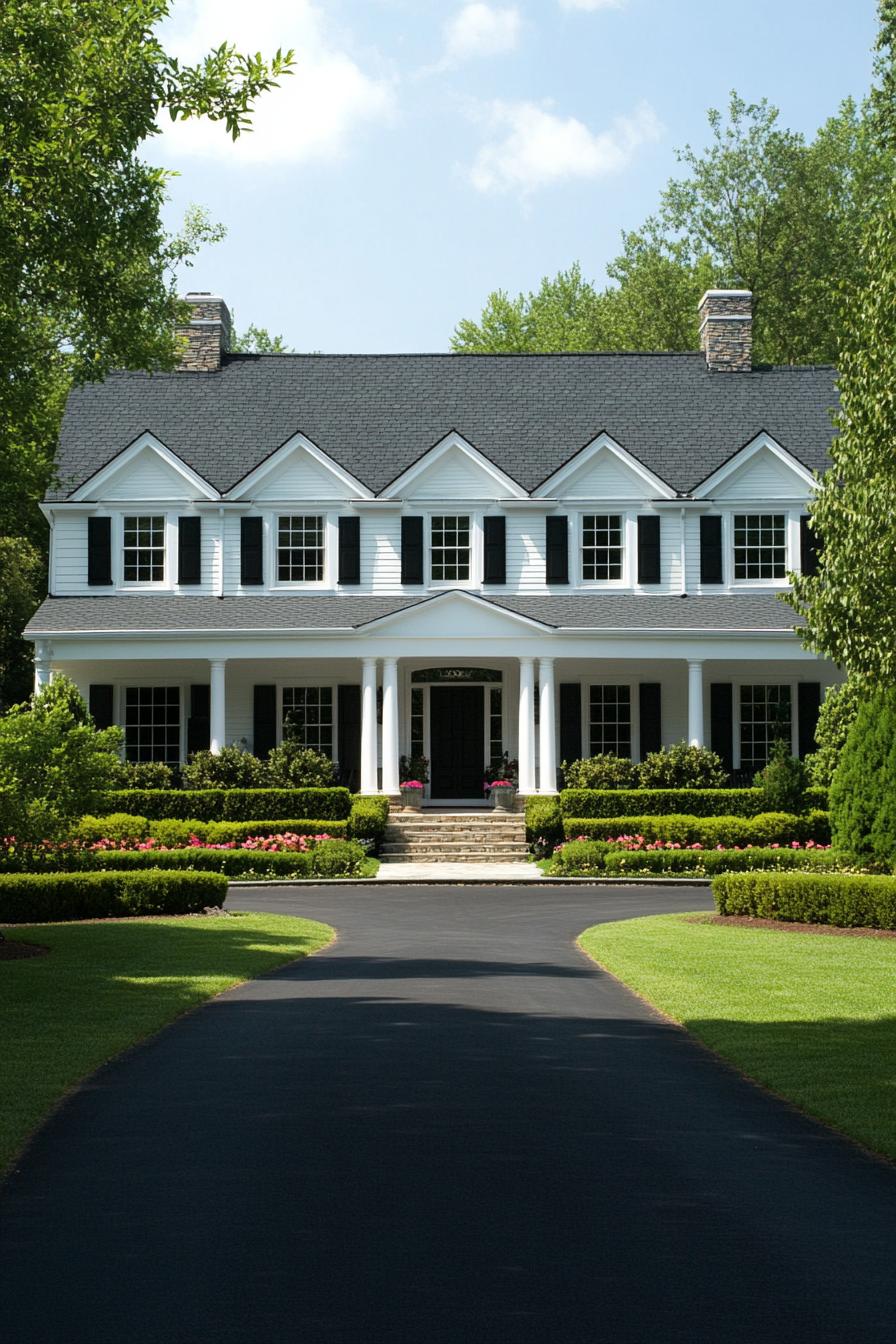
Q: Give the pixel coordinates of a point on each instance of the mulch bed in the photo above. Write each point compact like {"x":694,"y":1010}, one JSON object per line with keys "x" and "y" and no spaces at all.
{"x":13,"y":950}
{"x":786,"y":926}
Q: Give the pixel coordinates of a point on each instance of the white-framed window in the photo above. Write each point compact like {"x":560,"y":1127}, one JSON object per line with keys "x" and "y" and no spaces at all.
{"x":301,"y":548}
{"x":759,"y":542}
{"x":143,"y":548}
{"x":603,"y":550}
{"x":308,"y":714}
{"x":152,"y":723}
{"x":765,"y":713}
{"x":450,"y":548}
{"x":610,"y":720}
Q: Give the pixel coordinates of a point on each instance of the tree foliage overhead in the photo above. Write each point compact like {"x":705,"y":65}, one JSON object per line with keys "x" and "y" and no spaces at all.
{"x":259,"y":341}
{"x":850,"y":605}
{"x":761,"y":209}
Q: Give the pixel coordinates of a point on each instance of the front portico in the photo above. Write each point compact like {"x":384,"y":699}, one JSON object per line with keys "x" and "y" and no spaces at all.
{"x":456,"y":678}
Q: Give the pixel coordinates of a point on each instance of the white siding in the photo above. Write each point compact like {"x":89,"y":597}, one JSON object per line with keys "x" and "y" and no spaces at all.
{"x":147,"y":476}
{"x":69,"y":556}
{"x":605,"y":476}
{"x":302,"y":477}
{"x":765,"y":476}
{"x":453,"y":476}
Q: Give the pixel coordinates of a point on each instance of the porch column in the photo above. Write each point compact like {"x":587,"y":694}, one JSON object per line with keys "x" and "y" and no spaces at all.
{"x":368,"y":726}
{"x":695,"y":703}
{"x":41,"y":666}
{"x":526,"y":743}
{"x":547,"y":728}
{"x":217,"y":721}
{"x":390,"y":725}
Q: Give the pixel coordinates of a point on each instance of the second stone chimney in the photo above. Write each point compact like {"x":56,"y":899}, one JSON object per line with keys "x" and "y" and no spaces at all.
{"x":207,"y":334}
{"x":726,"y":330}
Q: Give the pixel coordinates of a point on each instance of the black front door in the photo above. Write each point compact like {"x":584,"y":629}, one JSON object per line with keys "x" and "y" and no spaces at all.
{"x":456,"y":735}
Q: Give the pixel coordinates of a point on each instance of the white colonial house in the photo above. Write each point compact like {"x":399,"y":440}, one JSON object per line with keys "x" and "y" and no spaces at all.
{"x":439,"y":555}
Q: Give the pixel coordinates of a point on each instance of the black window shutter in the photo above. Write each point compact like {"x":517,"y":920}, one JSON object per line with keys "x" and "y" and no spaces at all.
{"x":99,"y":552}
{"x":349,"y":549}
{"x":264,"y":720}
{"x":348,"y":735}
{"x":650,"y":704}
{"x":810,"y":547}
{"x":189,"y":549}
{"x":251,"y":550}
{"x":711,"y":549}
{"x":199,"y":720}
{"x":556,"y":550}
{"x":100,"y":699}
{"x":495,"y":543}
{"x":808,"y":705}
{"x":721,"y":721}
{"x":649,"y":548}
{"x":412,"y":550}
{"x":570,"y":721}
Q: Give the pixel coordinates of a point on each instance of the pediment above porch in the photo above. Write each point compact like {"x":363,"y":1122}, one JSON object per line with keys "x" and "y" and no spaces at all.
{"x":456,"y":614}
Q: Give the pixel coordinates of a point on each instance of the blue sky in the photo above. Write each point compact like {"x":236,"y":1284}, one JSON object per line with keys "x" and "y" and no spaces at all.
{"x":426,"y":152}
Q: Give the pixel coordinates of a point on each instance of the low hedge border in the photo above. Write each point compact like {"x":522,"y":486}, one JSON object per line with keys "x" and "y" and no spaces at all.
{"x":668,"y":802}
{"x":848,"y":900}
{"x":174,"y":832}
{"x":766,"y":828}
{"x":368,"y":819}
{"x":589,"y":858}
{"x":332,"y":858}
{"x":44,"y":898}
{"x":333,"y":804}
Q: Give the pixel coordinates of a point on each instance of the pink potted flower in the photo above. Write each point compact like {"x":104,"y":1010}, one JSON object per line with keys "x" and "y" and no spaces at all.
{"x":503,"y":793}
{"x":411,"y":793}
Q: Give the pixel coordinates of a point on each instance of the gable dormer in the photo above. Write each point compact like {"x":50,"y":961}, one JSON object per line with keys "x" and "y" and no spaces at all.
{"x":762,"y":469}
{"x":145,"y":470}
{"x":453,"y":469}
{"x":298,"y":470}
{"x":603,"y":470}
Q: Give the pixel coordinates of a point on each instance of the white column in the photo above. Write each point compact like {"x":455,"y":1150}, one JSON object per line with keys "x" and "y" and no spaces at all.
{"x":695,"y":703}
{"x":390,"y":725}
{"x":217,"y":713}
{"x":526,"y":735}
{"x":368,"y":726}
{"x":547,"y":728}
{"x":41,"y":666}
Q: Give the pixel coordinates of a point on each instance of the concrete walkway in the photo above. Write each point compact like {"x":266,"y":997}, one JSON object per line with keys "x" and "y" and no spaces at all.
{"x":449,"y":1128}
{"x":390,"y":871}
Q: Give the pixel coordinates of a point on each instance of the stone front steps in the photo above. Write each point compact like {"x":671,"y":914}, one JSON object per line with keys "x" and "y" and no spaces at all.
{"x":455,"y":837}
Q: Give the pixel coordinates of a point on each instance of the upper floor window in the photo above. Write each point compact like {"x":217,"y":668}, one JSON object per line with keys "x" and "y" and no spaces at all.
{"x":760,"y":546}
{"x":308,"y":716}
{"x":450,"y":548}
{"x":300,"y":548}
{"x":144,"y":549}
{"x":602,"y":546}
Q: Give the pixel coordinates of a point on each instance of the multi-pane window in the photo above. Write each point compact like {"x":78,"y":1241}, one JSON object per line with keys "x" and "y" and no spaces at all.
{"x":760,"y":546}
{"x":602,"y":546}
{"x":144,"y":549}
{"x":308,"y":716}
{"x":495,"y":726}
{"x":450,"y":548}
{"x":300,"y":548}
{"x":765,"y":714}
{"x":610,"y":720}
{"x":152,"y":723}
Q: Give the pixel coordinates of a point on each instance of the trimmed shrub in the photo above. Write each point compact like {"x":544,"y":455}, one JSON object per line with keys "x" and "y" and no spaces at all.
{"x":368,"y":820}
{"x":295,"y":766}
{"x":230,"y":862}
{"x":849,"y":900}
{"x":657,"y":802}
{"x":783,"y":780}
{"x":707,"y":862}
{"x":337,"y":858}
{"x":116,"y":826}
{"x":230,"y":768}
{"x":600,"y":772}
{"x":144,"y":775}
{"x":177,"y":833}
{"x":544,"y":823}
{"x":580,"y":858}
{"x":231,"y":804}
{"x":766,"y":828}
{"x":835,"y":718}
{"x":682,"y":767}
{"x":41,"y":898}
{"x":863,"y":794}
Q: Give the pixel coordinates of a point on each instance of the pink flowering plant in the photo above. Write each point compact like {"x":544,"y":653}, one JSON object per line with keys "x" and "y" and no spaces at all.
{"x":411,"y":784}
{"x":287,"y":843}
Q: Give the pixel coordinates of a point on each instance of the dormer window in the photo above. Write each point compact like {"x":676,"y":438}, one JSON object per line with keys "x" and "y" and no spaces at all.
{"x":300,"y":548}
{"x":450,"y":540}
{"x":601,"y":546}
{"x":760,"y":546}
{"x":144,"y":549}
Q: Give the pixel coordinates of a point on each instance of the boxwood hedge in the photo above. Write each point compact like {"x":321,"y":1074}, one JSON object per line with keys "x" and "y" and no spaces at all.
{"x":766,"y":828}
{"x":657,"y":802}
{"x":585,"y":858}
{"x":334,"y":804}
{"x":849,"y":900}
{"x":41,"y":898}
{"x":332,"y":858}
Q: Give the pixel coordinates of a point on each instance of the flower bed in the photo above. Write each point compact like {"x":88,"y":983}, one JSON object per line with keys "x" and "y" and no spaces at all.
{"x":632,"y":855}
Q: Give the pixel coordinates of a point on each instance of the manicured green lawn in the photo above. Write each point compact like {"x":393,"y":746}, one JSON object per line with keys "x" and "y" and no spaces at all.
{"x":813,"y":1017}
{"x":104,"y":986}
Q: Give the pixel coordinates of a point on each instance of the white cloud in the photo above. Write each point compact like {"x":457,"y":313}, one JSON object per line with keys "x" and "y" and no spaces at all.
{"x":592,"y":4}
{"x":533,"y":147}
{"x":316,"y":110}
{"x":481,"y":30}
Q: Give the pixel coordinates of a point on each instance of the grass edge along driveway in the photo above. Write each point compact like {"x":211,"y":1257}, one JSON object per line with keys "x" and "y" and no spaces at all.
{"x":106,"y":985}
{"x":811,"y":1017}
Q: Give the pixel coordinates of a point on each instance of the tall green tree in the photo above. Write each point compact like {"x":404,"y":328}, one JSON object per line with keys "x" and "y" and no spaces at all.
{"x":259,"y":341}
{"x":850,"y":605}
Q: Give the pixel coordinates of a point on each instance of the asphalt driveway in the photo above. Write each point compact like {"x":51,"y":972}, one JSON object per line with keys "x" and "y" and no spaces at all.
{"x":450,"y":1127}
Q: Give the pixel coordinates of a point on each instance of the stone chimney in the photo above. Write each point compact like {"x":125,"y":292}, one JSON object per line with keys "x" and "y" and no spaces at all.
{"x":207,"y":334}
{"x":726,"y":330}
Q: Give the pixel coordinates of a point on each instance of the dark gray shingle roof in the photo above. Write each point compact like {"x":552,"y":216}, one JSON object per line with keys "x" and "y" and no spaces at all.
{"x":595,"y":611}
{"x":376,"y":414}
